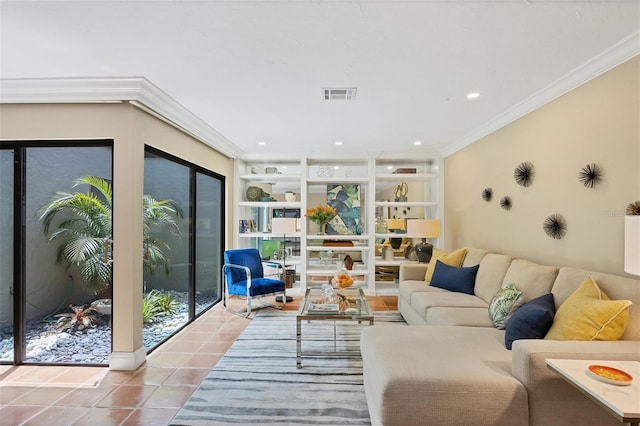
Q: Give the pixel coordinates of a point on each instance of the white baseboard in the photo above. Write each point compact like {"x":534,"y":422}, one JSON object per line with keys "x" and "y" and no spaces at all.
{"x":128,"y":361}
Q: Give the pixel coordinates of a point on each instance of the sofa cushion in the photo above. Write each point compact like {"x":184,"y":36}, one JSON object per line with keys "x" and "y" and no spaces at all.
{"x":616,"y":287}
{"x":407,"y":288}
{"x":454,"y":279}
{"x":474,"y":256}
{"x":422,"y":301}
{"x":503,"y":304}
{"x":531,"y":321}
{"x":436,"y":255}
{"x":442,"y":375}
{"x":589,"y":314}
{"x":451,"y":315}
{"x":493,"y":268}
{"x":532,"y":280}
{"x":452,"y":259}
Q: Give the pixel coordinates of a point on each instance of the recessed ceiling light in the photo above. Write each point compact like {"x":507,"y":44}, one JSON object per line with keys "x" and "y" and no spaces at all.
{"x":262,"y":143}
{"x":339,"y":143}
{"x":417,"y":143}
{"x":389,"y":167}
{"x":336,"y":167}
{"x":473,"y":95}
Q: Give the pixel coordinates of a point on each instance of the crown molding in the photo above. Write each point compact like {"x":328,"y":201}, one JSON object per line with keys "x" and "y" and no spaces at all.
{"x":137,"y":90}
{"x":617,"y":54}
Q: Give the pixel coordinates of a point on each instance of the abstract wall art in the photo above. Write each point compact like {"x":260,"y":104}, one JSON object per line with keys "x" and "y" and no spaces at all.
{"x":590,"y":175}
{"x":345,"y":198}
{"x":524,"y":174}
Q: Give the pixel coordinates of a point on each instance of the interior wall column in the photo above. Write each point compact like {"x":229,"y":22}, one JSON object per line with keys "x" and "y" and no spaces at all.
{"x":128,"y":185}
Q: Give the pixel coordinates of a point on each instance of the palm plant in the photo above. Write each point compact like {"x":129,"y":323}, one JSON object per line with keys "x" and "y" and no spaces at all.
{"x":86,"y":235}
{"x":157,"y":215}
{"x":85,"y":231}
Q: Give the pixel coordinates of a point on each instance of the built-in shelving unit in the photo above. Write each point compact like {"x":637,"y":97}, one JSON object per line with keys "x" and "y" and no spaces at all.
{"x":308,"y":179}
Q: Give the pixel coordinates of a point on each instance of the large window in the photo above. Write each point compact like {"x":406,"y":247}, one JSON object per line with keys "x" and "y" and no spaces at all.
{"x":182,"y":244}
{"x":6,"y":255}
{"x":38,"y":279}
{"x":209,"y":243}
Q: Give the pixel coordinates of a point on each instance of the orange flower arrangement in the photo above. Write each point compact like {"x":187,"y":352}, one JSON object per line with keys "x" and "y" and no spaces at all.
{"x":321,"y":214}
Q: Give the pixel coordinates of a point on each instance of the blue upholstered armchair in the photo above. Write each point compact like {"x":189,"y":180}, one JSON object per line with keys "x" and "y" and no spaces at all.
{"x":243,"y":276}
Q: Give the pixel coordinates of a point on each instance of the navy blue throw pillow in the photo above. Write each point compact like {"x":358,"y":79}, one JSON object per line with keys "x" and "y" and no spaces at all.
{"x":461,"y":280}
{"x":531,"y":321}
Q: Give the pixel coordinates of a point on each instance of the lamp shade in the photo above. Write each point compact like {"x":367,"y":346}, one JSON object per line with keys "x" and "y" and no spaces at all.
{"x":283,"y":225}
{"x":632,"y":244}
{"x":423,"y":228}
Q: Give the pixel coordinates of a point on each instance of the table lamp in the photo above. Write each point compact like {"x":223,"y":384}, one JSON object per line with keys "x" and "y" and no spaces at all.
{"x":284,"y":226}
{"x":632,"y":244}
{"x":423,"y":228}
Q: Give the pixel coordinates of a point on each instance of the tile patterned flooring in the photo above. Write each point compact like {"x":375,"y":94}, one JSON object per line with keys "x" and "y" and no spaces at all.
{"x":151,"y":395}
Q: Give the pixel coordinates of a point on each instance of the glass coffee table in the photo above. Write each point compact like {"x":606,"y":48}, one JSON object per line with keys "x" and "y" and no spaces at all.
{"x":348,"y":304}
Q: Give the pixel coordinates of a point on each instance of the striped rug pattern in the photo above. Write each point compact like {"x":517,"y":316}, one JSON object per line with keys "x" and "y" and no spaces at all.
{"x":257,"y":382}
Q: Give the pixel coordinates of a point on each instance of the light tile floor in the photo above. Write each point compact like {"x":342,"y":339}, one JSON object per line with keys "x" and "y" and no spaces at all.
{"x":151,"y":395}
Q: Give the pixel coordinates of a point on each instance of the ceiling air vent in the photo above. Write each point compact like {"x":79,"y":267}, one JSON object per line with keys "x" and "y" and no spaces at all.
{"x":339,"y":94}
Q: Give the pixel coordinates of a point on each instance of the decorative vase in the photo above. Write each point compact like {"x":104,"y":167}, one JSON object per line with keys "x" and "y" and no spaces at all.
{"x":387,"y":253}
{"x":381,"y":225}
{"x":348,"y":262}
{"x":254,"y":193}
{"x":395,"y":243}
{"x":322,"y":228}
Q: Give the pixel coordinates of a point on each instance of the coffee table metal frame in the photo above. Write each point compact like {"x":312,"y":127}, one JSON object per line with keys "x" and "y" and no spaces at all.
{"x":363,"y":314}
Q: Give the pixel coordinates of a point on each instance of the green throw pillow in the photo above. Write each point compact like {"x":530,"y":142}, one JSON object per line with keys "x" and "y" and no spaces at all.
{"x":504,"y":303}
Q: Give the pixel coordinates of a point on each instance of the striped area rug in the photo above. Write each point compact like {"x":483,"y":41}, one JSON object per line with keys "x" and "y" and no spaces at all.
{"x":257,"y":382}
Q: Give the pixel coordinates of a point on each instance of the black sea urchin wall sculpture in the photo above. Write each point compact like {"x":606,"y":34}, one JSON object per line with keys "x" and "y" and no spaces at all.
{"x":590,"y":175}
{"x":524,"y":174}
{"x":555,"y":226}
{"x":487,"y":194}
{"x":505,"y":203}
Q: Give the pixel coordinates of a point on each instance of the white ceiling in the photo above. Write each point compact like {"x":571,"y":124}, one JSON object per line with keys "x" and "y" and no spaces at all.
{"x":253,"y":70}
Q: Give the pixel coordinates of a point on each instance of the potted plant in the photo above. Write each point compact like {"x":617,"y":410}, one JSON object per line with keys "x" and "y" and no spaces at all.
{"x":84,"y":234}
{"x":321,"y":215}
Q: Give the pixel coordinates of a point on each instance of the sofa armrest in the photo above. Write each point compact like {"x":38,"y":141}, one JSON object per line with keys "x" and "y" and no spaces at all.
{"x":552,"y":400}
{"x":412,"y":271}
{"x":529,"y":355}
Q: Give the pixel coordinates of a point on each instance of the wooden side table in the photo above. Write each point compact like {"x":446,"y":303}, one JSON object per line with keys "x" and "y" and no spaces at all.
{"x":623,"y":402}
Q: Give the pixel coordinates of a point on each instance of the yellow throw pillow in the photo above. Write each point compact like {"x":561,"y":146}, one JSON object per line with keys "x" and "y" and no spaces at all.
{"x":589,"y":314}
{"x":452,"y":259}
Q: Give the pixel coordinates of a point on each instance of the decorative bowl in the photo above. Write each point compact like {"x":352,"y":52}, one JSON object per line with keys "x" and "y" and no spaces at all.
{"x":342,"y":280}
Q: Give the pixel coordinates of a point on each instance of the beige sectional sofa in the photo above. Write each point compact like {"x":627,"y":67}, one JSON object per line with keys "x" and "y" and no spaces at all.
{"x":451,"y":367}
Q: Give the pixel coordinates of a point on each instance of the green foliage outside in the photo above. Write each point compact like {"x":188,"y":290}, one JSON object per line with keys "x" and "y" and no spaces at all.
{"x":84,"y":231}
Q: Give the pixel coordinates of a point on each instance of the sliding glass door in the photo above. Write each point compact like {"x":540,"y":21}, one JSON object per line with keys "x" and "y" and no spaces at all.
{"x":6,"y":255}
{"x":183,"y":243}
{"x":166,"y":253}
{"x":39,"y":280}
{"x":208,"y":244}
{"x":56,"y":249}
